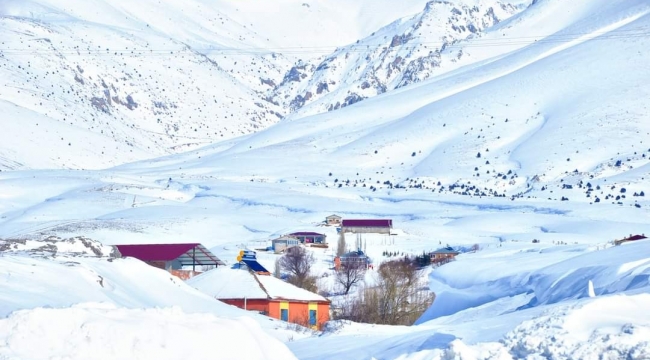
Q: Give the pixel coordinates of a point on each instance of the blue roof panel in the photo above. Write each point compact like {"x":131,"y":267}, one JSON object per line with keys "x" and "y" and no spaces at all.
{"x":254,"y":265}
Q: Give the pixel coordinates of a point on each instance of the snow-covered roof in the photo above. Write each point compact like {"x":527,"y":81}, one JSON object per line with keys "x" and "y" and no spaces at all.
{"x":226,"y":283}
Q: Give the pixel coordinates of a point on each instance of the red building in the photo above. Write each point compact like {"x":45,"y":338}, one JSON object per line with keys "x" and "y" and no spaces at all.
{"x":265,"y":294}
{"x":181,"y":260}
{"x":356,"y":226}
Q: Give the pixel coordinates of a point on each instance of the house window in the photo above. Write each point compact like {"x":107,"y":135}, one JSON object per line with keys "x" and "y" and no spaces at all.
{"x":312,"y":317}
{"x":284,"y":314}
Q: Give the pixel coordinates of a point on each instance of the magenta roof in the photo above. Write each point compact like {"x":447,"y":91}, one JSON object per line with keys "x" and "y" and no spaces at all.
{"x":306,"y":233}
{"x":368,"y":223}
{"x":185,"y":253}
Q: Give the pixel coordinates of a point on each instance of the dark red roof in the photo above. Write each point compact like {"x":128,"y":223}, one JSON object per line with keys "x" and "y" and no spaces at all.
{"x":306,"y":233}
{"x":186,"y":253}
{"x":367,"y":223}
{"x":636,"y":237}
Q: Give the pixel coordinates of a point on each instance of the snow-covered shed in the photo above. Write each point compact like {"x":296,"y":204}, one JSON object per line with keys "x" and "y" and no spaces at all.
{"x":265,"y":294}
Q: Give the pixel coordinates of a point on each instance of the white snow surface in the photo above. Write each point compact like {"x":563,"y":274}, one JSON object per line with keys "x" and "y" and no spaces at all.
{"x":226,"y":283}
{"x":100,"y":331}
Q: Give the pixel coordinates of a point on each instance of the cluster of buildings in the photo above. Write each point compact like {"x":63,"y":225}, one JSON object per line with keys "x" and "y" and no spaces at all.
{"x":355,"y":226}
{"x":247,"y":284}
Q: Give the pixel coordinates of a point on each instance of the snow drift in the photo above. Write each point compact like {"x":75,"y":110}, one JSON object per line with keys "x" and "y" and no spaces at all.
{"x":100,"y":331}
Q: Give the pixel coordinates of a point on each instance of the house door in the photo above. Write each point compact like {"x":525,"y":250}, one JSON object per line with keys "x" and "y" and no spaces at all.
{"x":284,"y":314}
{"x":312,"y":317}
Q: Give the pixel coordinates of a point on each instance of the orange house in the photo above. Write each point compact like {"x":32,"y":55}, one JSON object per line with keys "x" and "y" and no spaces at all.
{"x":265,"y":294}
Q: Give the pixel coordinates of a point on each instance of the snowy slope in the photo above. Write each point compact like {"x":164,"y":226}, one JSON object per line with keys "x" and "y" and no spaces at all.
{"x":100,"y":331}
{"x":73,"y":290}
{"x":532,"y":314}
{"x":118,"y":82}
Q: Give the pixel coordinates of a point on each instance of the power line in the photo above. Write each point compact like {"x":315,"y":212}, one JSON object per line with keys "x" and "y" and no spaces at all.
{"x":352,"y":48}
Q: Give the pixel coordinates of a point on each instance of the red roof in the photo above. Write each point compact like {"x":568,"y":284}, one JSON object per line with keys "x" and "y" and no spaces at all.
{"x":368,"y":223}
{"x":636,"y":237}
{"x":306,"y":233}
{"x":186,"y":253}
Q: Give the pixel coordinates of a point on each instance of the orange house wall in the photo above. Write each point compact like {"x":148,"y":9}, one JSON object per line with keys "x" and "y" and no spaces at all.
{"x":298,"y":311}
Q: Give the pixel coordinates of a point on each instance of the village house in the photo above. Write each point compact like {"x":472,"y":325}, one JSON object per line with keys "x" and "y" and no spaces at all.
{"x":282,"y":243}
{"x":265,"y":294}
{"x":307,"y":237}
{"x":333,"y":220}
{"x":630,"y":238}
{"x":443,"y":256}
{"x":367,"y":226}
{"x":353,"y":258}
{"x":175,"y":258}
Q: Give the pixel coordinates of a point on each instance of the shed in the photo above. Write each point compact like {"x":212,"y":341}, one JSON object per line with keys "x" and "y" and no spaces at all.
{"x":172,"y":257}
{"x":360,"y":226}
{"x":283,"y":243}
{"x":265,"y":294}
{"x":333,"y":220}
{"x":630,"y":238}
{"x":308,"y":237}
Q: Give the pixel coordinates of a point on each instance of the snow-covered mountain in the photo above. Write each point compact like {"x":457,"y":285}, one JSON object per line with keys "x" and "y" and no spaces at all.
{"x":407,"y":51}
{"x":144,"y":80}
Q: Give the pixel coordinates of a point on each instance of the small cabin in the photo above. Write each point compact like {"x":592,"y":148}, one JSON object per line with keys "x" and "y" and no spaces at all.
{"x":353,"y":258}
{"x":333,"y":220}
{"x":283,"y":243}
{"x":266,"y":295}
{"x":443,"y":256}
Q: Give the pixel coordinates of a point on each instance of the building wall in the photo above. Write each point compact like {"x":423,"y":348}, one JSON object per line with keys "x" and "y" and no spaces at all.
{"x":184,"y":274}
{"x":299,"y":312}
{"x":366,"y":230}
{"x":311,"y":238}
{"x":159,"y":264}
{"x":261,"y":305}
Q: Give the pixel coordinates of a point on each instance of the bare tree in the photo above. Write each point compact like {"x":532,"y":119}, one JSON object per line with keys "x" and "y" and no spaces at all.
{"x":400,"y":297}
{"x":341,"y":246}
{"x":297,"y":263}
{"x":352,"y":271}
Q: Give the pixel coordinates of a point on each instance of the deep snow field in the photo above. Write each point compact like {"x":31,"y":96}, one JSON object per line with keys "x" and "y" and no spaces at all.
{"x":539,"y":131}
